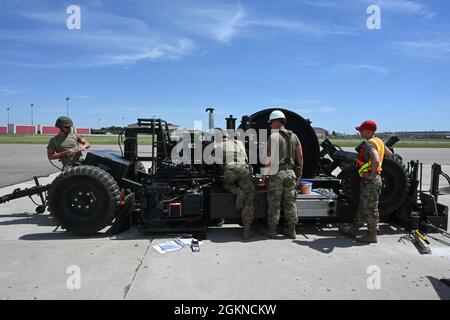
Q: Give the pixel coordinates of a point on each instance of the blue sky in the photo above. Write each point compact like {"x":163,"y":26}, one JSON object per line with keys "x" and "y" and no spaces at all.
{"x":172,"y":59}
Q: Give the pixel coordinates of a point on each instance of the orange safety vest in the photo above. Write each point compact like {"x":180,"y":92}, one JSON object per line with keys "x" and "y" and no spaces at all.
{"x":366,"y":166}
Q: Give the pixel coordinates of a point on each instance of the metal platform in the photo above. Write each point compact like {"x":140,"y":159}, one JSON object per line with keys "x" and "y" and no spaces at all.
{"x":317,"y":204}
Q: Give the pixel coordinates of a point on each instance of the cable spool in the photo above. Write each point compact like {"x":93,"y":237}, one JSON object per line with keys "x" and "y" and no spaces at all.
{"x":297,"y":124}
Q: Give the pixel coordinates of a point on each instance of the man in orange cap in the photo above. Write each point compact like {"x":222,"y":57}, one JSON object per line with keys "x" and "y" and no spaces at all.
{"x":371,"y":153}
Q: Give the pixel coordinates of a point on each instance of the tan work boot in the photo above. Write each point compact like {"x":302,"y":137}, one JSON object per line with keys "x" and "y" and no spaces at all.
{"x":289,"y":231}
{"x":247,"y":231}
{"x":270,"y":231}
{"x":370,"y":237}
{"x":350,"y":231}
{"x":240,"y":197}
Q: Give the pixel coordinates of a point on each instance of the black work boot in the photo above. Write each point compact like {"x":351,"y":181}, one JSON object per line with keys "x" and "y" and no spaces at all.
{"x":270,"y":231}
{"x":370,"y":237}
{"x":350,"y":231}
{"x":247,"y":232}
{"x":289,"y":231}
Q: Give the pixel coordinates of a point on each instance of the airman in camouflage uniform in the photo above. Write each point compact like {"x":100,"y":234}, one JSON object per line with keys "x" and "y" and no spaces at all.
{"x":66,"y":146}
{"x":371,"y":153}
{"x":284,"y":167}
{"x":237,"y":178}
{"x":370,"y":191}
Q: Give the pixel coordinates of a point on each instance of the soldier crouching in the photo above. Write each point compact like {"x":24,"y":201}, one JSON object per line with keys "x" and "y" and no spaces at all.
{"x":237,"y":178}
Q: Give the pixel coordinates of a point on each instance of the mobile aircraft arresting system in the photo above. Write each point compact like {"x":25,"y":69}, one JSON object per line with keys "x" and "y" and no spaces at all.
{"x":113,"y":190}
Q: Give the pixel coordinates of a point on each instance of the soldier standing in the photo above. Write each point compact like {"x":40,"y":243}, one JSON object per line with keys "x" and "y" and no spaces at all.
{"x":237,"y":178}
{"x":371,"y":153}
{"x":66,"y":145}
{"x":285,"y":165}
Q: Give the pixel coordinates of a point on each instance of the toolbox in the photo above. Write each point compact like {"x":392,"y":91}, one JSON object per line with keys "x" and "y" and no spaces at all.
{"x":319,"y":203}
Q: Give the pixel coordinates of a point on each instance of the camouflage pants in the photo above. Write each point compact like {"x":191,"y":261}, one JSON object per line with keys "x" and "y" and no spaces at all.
{"x":368,"y":202}
{"x":281,"y":191}
{"x":237,"y":179}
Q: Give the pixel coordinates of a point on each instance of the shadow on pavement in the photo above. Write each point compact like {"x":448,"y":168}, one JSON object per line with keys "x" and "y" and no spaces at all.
{"x":234,"y":234}
{"x":327,"y":245}
{"x":330,"y":236}
{"x":134,"y":233}
{"x":441,"y":288}
{"x":384,"y":229}
{"x":444,"y":241}
{"x":59,"y":235}
{"x":27,"y":218}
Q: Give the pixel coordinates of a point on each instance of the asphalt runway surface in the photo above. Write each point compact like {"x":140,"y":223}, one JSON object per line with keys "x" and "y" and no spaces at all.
{"x":20,"y":162}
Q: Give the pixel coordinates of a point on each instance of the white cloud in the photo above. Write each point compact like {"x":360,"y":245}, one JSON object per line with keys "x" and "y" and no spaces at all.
{"x":397,"y":6}
{"x":226,"y":30}
{"x":316,"y":110}
{"x":111,"y":39}
{"x":105,"y":39}
{"x":434,"y":49}
{"x":315,"y":102}
{"x":362,"y":67}
{"x":7,"y":91}
{"x":226,"y":22}
{"x":300,"y":27}
{"x":98,"y":111}
{"x":321,"y":3}
{"x":152,"y":50}
{"x":404,"y":6}
{"x":49,"y":65}
{"x":80,"y":97}
{"x":48,"y":17}
{"x":326,"y":109}
{"x":221,"y":23}
{"x":96,"y":3}
{"x":98,"y":51}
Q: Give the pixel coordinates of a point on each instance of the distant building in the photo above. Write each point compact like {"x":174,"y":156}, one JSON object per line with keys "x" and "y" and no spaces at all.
{"x":170,"y":126}
{"x":321,"y":133}
{"x":418,"y":134}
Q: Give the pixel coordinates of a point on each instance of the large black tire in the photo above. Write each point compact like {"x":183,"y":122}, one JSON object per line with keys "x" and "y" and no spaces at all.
{"x":393,"y":192}
{"x":301,"y":127}
{"x":84,"y":199}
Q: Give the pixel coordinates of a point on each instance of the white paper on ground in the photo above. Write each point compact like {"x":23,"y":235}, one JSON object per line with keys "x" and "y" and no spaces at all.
{"x":174,"y":245}
{"x":168,"y":246}
{"x":185,"y":242}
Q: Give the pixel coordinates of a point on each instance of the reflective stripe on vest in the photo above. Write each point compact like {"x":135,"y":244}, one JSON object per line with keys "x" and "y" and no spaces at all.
{"x":367,"y":166}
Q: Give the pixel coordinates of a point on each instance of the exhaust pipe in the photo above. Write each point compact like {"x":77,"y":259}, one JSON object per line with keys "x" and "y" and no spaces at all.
{"x":231,"y":122}
{"x":211,"y":117}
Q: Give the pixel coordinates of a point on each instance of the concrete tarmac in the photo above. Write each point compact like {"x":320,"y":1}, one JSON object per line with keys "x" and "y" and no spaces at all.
{"x":40,"y":261}
{"x":20,"y":162}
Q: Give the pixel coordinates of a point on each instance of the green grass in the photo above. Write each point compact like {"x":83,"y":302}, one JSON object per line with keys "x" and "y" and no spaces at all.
{"x":38,"y":139}
{"x":400,"y":144}
{"x":112,"y":140}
